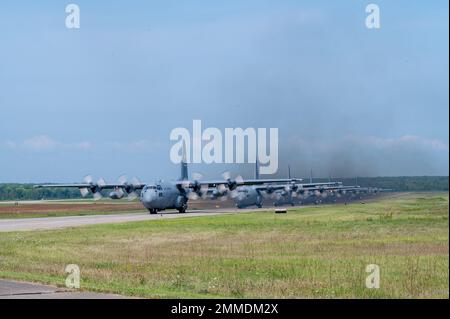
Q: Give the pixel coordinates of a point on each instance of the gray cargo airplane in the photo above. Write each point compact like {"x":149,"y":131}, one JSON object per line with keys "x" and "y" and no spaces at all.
{"x":169,"y":195}
{"x":175,"y":194}
{"x":283,"y":192}
{"x":289,"y":195}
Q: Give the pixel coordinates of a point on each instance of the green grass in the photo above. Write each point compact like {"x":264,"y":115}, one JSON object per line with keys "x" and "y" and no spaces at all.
{"x":312,"y":252}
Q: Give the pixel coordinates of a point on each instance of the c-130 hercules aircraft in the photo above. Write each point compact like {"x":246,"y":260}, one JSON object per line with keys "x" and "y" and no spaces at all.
{"x":162,"y":195}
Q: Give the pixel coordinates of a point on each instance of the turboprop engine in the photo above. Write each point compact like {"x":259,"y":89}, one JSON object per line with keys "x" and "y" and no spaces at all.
{"x":118,"y":193}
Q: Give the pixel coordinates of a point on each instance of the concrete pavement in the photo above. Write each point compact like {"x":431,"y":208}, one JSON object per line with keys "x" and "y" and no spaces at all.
{"x":43,"y":223}
{"x":10,"y":289}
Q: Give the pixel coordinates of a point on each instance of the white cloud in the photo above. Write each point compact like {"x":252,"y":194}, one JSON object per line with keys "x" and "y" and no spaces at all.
{"x":83,"y":145}
{"x":39,"y":143}
{"x":135,"y":146}
{"x":44,"y":143}
{"x":8,"y":144}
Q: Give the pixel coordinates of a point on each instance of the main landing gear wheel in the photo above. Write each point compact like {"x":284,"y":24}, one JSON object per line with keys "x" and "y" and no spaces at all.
{"x":153,"y":211}
{"x":182,"y":209}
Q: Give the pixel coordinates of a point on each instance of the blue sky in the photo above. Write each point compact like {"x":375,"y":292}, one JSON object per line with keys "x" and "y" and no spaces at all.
{"x":103,"y":99}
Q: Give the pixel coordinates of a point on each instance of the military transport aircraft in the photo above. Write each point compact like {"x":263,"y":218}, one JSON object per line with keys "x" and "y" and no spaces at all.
{"x":167,"y":195}
{"x":283,"y":193}
{"x":175,"y":194}
{"x":288,"y":196}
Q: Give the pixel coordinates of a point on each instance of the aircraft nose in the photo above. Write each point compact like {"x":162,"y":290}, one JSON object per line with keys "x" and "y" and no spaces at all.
{"x":148,"y":197}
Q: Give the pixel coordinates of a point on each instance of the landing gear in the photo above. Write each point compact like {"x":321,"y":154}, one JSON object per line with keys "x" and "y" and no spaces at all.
{"x":153,"y":211}
{"x":182,"y":209}
{"x":259,"y":205}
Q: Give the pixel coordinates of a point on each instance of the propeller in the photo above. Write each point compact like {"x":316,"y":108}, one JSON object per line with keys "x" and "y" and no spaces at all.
{"x":185,"y":185}
{"x":95,"y":188}
{"x":84,"y":192}
{"x":276,"y":196}
{"x":220,"y":192}
{"x":97,"y":196}
{"x":192,"y":195}
{"x":222,"y":189}
{"x":268,"y":193}
{"x":122,"y":179}
{"x":101,"y":182}
{"x":88,"y":179}
{"x":129,"y":187}
{"x":135,"y":182}
{"x":231,"y":185}
{"x":199,"y":190}
{"x":297,"y":190}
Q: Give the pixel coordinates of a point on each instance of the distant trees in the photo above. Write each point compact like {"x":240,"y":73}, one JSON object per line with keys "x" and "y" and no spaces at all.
{"x":400,"y":183}
{"x":27,"y":192}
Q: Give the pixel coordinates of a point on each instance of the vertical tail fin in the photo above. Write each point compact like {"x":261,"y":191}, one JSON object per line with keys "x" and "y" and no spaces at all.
{"x":256,"y":169}
{"x":310,"y":176}
{"x":184,"y":167}
{"x":289,"y":171}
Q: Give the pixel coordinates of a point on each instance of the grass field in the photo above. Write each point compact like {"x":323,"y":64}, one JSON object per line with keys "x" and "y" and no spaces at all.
{"x":311,"y":252}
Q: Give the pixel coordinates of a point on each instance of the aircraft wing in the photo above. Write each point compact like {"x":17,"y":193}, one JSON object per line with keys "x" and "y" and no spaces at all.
{"x":96,"y":188}
{"x":87,"y":185}
{"x":248,"y":182}
{"x":299,"y":187}
{"x":327,"y":184}
{"x":62,"y":186}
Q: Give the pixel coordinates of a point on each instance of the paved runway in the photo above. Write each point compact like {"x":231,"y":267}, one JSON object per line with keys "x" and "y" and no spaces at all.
{"x":22,"y":290}
{"x":27,"y":224}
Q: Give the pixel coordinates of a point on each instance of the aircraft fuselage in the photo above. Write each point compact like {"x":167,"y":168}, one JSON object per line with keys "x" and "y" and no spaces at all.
{"x":248,"y":196}
{"x":163,"y":195}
